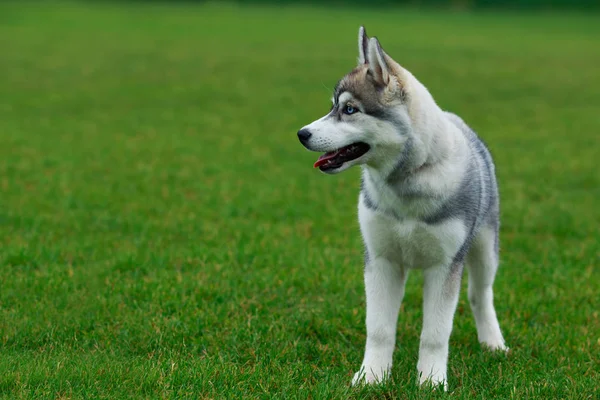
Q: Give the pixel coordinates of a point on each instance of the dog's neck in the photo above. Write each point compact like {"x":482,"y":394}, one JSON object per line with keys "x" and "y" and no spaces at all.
{"x":429,"y":146}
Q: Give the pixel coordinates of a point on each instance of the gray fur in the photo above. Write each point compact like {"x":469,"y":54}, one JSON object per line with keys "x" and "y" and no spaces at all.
{"x":365,"y":195}
{"x":361,"y":83}
{"x":370,"y":204}
{"x":397,"y":179}
{"x":479,"y":204}
{"x":482,"y":208}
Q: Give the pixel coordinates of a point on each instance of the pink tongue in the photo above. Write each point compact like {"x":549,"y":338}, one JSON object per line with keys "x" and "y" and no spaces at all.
{"x":325,"y":158}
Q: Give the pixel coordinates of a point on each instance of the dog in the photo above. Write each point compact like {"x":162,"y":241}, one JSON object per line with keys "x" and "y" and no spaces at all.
{"x":428,"y":200}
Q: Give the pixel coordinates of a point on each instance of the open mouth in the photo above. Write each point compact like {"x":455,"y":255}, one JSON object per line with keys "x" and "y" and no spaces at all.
{"x":335,"y":159}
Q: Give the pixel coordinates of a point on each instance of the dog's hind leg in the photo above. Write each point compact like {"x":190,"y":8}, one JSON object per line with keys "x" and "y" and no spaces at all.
{"x":482,"y":263}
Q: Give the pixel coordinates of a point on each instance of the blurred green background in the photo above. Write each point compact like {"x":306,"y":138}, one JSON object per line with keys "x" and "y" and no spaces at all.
{"x":163,"y":233}
{"x":453,"y":4}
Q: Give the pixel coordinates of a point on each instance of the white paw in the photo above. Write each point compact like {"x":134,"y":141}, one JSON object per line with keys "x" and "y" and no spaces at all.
{"x":433,"y":380}
{"x":495,"y":345}
{"x":369,"y":375}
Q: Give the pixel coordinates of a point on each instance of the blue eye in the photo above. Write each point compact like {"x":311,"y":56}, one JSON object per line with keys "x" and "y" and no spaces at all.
{"x":349,"y":109}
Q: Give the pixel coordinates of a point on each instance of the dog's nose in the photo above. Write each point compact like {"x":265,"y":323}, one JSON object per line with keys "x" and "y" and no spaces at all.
{"x":304,"y":134}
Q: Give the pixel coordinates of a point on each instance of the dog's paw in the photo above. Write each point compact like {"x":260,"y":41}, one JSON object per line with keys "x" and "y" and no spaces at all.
{"x":433,"y":381}
{"x":491,"y":338}
{"x":495,"y":345}
{"x":369,"y":376}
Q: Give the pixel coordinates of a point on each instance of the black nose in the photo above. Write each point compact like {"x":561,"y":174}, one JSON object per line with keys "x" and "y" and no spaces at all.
{"x":304,"y":135}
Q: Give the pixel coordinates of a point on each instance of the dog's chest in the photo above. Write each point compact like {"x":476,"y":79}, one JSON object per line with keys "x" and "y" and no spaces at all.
{"x":407,"y":240}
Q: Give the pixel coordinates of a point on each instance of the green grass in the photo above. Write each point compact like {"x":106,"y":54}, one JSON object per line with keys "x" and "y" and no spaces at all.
{"x":163,"y":234}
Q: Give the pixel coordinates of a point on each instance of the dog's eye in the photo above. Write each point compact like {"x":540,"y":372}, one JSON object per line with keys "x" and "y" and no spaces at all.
{"x":349,"y":109}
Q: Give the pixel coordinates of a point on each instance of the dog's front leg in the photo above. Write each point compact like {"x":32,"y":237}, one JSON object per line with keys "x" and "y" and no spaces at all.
{"x":384,"y":285}
{"x":440,"y":296}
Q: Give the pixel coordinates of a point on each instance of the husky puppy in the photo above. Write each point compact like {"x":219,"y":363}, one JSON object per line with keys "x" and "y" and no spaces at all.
{"x":428,"y":201}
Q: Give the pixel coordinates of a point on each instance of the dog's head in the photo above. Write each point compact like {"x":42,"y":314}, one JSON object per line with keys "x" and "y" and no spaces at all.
{"x":371,"y":116}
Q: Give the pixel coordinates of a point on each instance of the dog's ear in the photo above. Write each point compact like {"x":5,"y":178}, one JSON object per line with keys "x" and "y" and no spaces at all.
{"x":363,"y":46}
{"x":378,"y":64}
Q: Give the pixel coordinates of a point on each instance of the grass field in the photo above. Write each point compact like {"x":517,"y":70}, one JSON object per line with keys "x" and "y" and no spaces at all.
{"x":163,"y":233}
